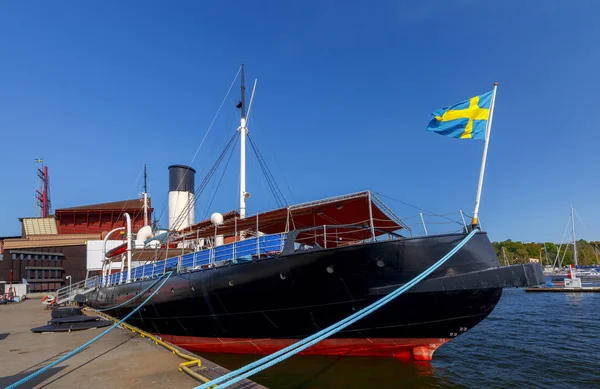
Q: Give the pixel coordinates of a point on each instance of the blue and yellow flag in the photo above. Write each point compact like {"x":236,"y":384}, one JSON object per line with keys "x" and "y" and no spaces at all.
{"x":464,"y":120}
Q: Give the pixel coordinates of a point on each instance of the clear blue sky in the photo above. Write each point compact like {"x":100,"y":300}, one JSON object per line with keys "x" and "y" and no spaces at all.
{"x":345,"y":93}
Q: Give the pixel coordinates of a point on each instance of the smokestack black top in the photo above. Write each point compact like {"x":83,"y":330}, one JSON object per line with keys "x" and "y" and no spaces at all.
{"x":181,"y":178}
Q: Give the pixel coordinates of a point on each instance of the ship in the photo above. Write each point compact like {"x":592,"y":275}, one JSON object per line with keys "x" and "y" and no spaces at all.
{"x":255,"y":284}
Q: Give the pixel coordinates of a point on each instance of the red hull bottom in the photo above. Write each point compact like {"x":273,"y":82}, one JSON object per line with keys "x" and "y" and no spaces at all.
{"x":409,"y":349}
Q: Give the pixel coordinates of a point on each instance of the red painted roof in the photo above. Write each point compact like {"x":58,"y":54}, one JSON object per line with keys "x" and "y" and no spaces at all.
{"x":112,"y":206}
{"x":354,"y":209}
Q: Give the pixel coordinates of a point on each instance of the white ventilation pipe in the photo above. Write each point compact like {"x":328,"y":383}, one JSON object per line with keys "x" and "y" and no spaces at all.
{"x":128,"y":219}
{"x":104,"y":259}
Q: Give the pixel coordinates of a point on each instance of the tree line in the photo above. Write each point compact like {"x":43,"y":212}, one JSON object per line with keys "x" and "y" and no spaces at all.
{"x":510,"y":252}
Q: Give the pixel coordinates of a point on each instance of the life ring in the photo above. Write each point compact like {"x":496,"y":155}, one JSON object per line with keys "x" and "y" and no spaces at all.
{"x":48,"y":300}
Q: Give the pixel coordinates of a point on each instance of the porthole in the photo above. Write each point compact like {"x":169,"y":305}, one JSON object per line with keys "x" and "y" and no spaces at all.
{"x":380,"y":263}
{"x":329,"y":269}
{"x":283,"y":276}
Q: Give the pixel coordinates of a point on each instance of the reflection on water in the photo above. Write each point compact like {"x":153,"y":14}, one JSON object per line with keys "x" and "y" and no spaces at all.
{"x":531,"y":340}
{"x":312,"y":371}
{"x":574,"y":298}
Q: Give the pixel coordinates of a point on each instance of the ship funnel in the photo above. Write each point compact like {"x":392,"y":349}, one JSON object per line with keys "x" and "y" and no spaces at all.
{"x":181,"y":196}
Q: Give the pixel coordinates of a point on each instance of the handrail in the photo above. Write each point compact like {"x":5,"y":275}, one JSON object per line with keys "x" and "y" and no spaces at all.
{"x":66,"y":293}
{"x":356,"y":226}
{"x":205,"y":258}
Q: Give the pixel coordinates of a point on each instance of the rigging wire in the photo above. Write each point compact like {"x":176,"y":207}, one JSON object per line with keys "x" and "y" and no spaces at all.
{"x":276,"y":163}
{"x":581,"y":220}
{"x":218,"y":184}
{"x":561,"y":244}
{"x":265,"y":191}
{"x":419,"y":208}
{"x":200,"y":189}
{"x":275,"y":190}
{"x":180,"y":218}
{"x":207,"y":131}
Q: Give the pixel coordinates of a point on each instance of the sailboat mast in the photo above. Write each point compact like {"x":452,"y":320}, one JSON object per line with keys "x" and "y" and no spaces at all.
{"x":243,"y":132}
{"x":574,"y":239}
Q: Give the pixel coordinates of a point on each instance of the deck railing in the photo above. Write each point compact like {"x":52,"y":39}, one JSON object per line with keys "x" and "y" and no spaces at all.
{"x":329,"y":236}
{"x":424,"y":223}
{"x":248,"y":249}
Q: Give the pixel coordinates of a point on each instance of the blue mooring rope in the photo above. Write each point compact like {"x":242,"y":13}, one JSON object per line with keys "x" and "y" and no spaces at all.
{"x":270,"y":360}
{"x":80,"y":348}
{"x":134,"y":297}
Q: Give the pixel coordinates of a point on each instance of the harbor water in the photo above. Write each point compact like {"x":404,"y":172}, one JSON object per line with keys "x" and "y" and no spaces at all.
{"x":531,"y":340}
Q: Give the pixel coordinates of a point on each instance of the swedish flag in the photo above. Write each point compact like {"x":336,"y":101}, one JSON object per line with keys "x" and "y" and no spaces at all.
{"x":39,"y":160}
{"x":464,"y":120}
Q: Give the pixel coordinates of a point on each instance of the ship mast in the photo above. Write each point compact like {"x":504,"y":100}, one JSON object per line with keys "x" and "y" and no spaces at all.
{"x":574,"y":240}
{"x":145,"y":196}
{"x":243,"y":132}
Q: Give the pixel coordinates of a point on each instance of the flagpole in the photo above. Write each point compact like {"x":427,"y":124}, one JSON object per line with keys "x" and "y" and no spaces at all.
{"x":488,"y":130}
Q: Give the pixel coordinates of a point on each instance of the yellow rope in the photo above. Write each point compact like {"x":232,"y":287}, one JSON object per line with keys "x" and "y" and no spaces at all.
{"x":183,"y":366}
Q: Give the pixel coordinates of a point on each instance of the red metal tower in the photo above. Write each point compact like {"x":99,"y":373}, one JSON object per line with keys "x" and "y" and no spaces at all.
{"x":43,"y":195}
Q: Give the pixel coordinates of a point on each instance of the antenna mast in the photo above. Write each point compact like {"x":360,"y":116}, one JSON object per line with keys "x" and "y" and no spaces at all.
{"x":243,"y":132}
{"x":43,"y":196}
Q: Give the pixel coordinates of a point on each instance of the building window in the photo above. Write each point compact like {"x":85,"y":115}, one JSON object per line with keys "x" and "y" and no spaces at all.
{"x":14,"y":256}
{"x":21,"y":256}
{"x":28,"y":257}
{"x":43,"y":257}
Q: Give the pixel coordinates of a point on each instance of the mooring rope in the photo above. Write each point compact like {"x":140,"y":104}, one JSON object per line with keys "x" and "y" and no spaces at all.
{"x":270,"y":360}
{"x":82,"y":347}
{"x":134,"y":297}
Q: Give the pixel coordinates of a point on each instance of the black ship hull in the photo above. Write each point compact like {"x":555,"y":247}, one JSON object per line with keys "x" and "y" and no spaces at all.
{"x":264,"y":305}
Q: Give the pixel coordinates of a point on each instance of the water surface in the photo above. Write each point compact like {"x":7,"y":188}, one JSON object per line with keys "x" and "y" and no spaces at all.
{"x":531,"y":340}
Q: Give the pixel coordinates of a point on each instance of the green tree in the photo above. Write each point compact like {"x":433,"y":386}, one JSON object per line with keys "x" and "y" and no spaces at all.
{"x":588,"y":253}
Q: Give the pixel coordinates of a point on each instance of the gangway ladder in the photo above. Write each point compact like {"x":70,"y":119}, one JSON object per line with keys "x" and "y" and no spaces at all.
{"x":68,"y":293}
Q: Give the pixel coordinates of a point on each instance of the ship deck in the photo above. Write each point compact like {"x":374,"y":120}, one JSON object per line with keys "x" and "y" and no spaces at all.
{"x":119,"y":359}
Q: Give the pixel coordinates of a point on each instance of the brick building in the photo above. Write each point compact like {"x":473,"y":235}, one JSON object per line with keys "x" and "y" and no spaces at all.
{"x":52,"y":248}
